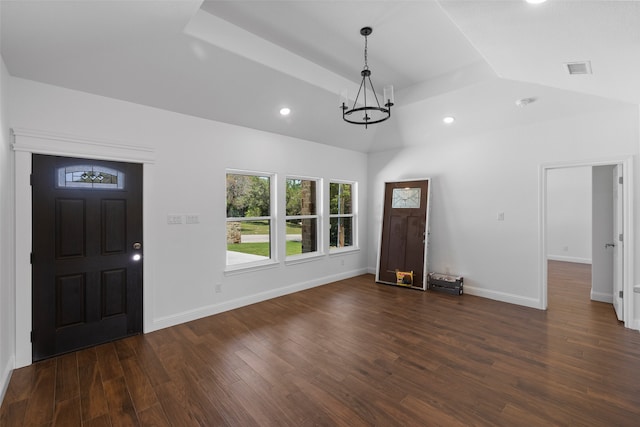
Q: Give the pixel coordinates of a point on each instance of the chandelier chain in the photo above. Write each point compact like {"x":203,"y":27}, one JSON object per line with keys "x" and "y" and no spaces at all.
{"x":366,"y":64}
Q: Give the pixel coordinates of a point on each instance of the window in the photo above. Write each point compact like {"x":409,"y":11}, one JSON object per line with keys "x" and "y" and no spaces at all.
{"x":249,"y":218}
{"x":341,"y":215}
{"x":88,"y":176}
{"x":302,"y":216}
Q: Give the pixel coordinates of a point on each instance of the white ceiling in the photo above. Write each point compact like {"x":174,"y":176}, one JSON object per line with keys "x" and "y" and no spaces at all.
{"x":241,"y":61}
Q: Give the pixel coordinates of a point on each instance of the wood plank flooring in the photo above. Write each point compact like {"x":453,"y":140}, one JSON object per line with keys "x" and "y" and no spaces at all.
{"x":354,"y":353}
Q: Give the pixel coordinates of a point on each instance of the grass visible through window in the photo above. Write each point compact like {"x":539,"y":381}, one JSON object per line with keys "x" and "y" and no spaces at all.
{"x":262,"y":249}
{"x":250,"y":227}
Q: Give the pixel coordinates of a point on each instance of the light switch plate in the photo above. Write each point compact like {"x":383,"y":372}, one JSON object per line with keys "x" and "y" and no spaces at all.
{"x":174,"y":219}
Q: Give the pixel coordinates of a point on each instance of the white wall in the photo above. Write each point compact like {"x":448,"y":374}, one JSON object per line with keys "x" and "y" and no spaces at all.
{"x":183,"y":263}
{"x":478,"y":176}
{"x":7,"y":310}
{"x":569,"y":214}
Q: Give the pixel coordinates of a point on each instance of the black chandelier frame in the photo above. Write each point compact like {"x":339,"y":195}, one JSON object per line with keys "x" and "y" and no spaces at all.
{"x":366,"y":77}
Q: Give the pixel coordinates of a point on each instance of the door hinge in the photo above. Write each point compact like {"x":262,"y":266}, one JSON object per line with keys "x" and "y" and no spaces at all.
{"x":620,"y":237}
{"x":31,"y":258}
{"x":620,"y":294}
{"x":31,"y":180}
{"x":619,"y":180}
{"x":31,"y":336}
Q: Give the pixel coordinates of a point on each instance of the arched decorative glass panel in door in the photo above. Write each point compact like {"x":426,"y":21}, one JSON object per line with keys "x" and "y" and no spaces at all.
{"x":90,"y":177}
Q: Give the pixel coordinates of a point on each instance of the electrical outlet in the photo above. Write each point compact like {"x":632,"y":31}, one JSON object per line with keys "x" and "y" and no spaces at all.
{"x":500,"y":216}
{"x":218,"y":288}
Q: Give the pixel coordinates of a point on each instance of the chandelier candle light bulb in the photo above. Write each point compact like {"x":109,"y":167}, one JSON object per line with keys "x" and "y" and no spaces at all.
{"x":388,"y":95}
{"x":344,"y":97}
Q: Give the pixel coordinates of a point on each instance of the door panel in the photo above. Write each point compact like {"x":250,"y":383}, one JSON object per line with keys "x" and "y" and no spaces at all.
{"x":70,"y":224}
{"x":87,"y":289}
{"x":396,"y":242}
{"x":70,"y":300}
{"x":415,"y":239}
{"x":602,"y":232}
{"x":114,"y":226}
{"x":404,"y":231}
{"x":114,"y":292}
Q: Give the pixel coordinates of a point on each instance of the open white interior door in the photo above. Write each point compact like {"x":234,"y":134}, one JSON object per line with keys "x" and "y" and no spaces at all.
{"x":618,"y":241}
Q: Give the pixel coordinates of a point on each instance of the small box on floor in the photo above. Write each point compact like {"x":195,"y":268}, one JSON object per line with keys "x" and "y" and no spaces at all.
{"x":445,"y":283}
{"x":404,"y":278}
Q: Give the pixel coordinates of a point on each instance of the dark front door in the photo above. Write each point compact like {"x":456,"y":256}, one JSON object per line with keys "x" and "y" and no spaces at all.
{"x":404,"y":228}
{"x":87,"y":253}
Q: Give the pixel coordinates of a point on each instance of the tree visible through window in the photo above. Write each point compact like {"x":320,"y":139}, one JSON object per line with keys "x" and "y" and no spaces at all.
{"x":249,"y":218}
{"x":301,"y":216}
{"x":341,"y":216}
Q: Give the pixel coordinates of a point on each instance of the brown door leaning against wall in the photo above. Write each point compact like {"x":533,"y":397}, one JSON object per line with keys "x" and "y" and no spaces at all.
{"x":87,"y":253}
{"x":404,"y":223}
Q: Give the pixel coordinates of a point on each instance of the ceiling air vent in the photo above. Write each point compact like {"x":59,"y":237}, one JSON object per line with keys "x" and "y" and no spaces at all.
{"x":579,"y":67}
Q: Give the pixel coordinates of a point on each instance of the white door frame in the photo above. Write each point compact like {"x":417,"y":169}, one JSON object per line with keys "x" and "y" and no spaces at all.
{"x":628,"y":247}
{"x":27,"y":142}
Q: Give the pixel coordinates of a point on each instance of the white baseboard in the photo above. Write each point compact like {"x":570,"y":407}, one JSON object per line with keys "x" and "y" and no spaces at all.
{"x":503,"y":296}
{"x":495,"y":295}
{"x":6,"y":376}
{"x":635,"y":325}
{"x":602,"y":297}
{"x":210,"y":310}
{"x":569,"y":259}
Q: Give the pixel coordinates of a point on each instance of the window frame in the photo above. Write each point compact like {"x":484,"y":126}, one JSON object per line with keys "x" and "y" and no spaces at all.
{"x":353,"y":215}
{"x":318,"y":216}
{"x":272,"y":218}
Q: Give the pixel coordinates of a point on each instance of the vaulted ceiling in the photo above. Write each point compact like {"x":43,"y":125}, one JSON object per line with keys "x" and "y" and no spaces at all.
{"x":241,"y":61}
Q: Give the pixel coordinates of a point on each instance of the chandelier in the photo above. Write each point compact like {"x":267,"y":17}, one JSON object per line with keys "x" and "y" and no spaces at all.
{"x":372,"y":112}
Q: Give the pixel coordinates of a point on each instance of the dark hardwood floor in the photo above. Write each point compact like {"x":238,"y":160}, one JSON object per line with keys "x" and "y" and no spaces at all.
{"x":354,"y":353}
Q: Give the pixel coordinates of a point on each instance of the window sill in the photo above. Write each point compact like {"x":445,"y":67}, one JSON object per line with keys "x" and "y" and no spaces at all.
{"x":301,"y":259}
{"x":344,"y":251}
{"x":232,"y":270}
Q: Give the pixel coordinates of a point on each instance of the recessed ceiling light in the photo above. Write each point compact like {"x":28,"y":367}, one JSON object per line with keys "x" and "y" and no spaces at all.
{"x":525,"y":101}
{"x":285,"y":111}
{"x":448,"y":120}
{"x":535,"y":1}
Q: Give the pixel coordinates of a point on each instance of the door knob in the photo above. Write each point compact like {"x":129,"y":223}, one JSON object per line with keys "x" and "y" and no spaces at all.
{"x":137,"y":256}
{"x":609,"y":245}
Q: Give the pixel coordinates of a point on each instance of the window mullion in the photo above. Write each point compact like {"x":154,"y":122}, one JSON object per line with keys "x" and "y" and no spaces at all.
{"x":292,"y":217}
